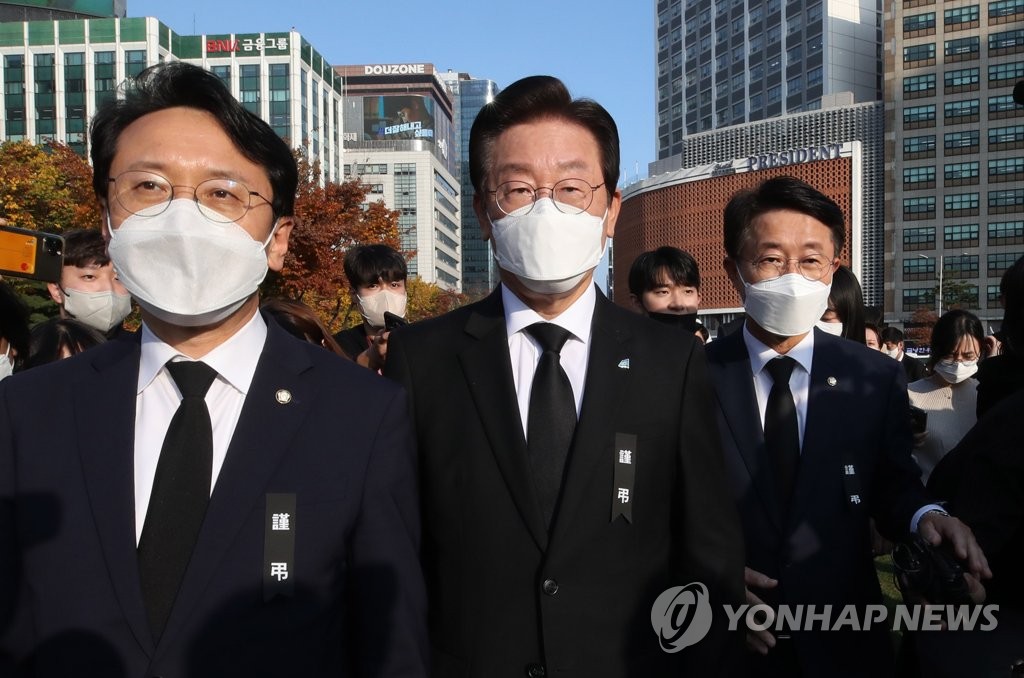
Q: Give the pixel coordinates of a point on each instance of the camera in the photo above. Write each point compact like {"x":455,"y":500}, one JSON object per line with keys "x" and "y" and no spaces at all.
{"x":932,"y":572}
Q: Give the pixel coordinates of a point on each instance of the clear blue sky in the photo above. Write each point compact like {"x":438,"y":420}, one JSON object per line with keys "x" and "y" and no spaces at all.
{"x":603,"y":49}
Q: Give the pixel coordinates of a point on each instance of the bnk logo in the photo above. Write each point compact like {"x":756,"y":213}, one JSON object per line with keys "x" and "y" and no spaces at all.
{"x":681,"y":616}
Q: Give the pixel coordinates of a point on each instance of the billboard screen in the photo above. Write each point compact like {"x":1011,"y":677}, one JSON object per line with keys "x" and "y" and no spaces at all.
{"x":398,"y":117}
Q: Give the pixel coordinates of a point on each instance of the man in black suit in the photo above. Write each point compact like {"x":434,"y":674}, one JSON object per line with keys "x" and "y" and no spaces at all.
{"x":211,"y":497}
{"x":547,"y":540}
{"x":816,"y":433}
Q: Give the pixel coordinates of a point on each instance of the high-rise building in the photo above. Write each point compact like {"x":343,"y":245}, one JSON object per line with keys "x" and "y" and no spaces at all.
{"x":479,"y":272}
{"x":726,"y":62}
{"x":56,"y":73}
{"x":50,"y":10}
{"x":399,"y":134}
{"x":955,"y":209}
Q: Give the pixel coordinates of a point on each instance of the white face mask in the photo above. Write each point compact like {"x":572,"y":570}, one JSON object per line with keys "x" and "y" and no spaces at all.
{"x":185,"y":269}
{"x":954,"y":372}
{"x":372,"y":307}
{"x":786,"y":306}
{"x":549,"y":251}
{"x":892,"y":353}
{"x":101,"y":310}
{"x":6,"y":366}
{"x":835,"y":329}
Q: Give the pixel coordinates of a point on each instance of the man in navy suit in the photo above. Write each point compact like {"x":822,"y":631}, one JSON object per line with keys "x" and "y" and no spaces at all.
{"x":816,"y":433}
{"x":565,"y":485}
{"x":212,"y":497}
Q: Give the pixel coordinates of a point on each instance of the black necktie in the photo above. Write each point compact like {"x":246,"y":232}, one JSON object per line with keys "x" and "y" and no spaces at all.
{"x":551,"y":419}
{"x":181,"y":491}
{"x":781,"y":431}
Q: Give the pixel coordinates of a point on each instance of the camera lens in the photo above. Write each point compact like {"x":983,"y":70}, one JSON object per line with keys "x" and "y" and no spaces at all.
{"x":52,"y":246}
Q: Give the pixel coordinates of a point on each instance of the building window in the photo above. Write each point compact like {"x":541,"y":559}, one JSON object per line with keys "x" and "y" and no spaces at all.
{"x":1003,"y":74}
{"x":963,"y":48}
{"x":994,"y":297}
{"x":1002,"y":104}
{"x":918,"y":53}
{"x":1005,"y":137}
{"x":1010,"y":200}
{"x":794,"y":85}
{"x":921,"y":238}
{"x":1006,"y":233}
{"x":958,"y":141}
{"x":919,"y":208}
{"x":917,"y":147}
{"x":774,"y":94}
{"x":961,"y":171}
{"x":919,"y":85}
{"x":960,"y":235}
{"x":962,"y":202}
{"x":918,"y":177}
{"x":918,"y":22}
{"x":134,"y":62}
{"x":961,"y":15}
{"x":1005,"y":169}
{"x":1005,"y":8}
{"x":916,"y":268}
{"x":1007,"y":41}
{"x":999,"y":262}
{"x":956,"y":111}
{"x":374,"y":168}
{"x":960,"y":266}
{"x":795,"y":54}
{"x":918,"y":299}
{"x":249,"y":87}
{"x":919,"y":116}
{"x":814,"y":77}
{"x":963,"y":77}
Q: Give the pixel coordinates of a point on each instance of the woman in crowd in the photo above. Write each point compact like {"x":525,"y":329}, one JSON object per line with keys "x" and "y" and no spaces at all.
{"x":59,"y":338}
{"x":845,"y":314}
{"x":949,"y":396}
{"x":300,"y":321}
{"x":872,"y":337}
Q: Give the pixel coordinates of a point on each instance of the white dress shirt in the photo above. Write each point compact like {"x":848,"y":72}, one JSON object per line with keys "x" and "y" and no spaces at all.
{"x":799,"y":384}
{"x":525,"y":352}
{"x":158,"y":397}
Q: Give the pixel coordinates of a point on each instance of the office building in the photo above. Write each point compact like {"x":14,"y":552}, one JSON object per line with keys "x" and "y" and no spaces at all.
{"x":728,"y":62}
{"x":399,"y":136}
{"x":51,"y":10}
{"x":479,"y":272}
{"x":57,"y":72}
{"x":955,"y":155}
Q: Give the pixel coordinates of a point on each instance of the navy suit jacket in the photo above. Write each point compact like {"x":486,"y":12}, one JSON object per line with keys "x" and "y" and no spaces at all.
{"x":857,"y":415}
{"x":508,"y":596}
{"x":70,"y":599}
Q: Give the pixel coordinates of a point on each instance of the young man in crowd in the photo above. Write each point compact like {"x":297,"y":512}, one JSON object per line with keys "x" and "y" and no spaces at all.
{"x":376,"y":276}
{"x":89,"y":290}
{"x":892,"y":346}
{"x":665,"y":284}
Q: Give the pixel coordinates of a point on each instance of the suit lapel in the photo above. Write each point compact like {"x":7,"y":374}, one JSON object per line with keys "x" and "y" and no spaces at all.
{"x":260,"y":442}
{"x":592,"y":445}
{"x":105,"y":421}
{"x":734,"y":384}
{"x":488,"y":370}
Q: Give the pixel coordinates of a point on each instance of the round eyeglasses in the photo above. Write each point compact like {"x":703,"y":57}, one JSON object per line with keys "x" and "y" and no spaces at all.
{"x":571,"y":196}
{"x":814,"y":267}
{"x":147,"y":194}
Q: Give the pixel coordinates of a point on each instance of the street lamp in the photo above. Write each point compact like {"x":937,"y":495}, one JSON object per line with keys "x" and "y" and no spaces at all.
{"x":941,"y":257}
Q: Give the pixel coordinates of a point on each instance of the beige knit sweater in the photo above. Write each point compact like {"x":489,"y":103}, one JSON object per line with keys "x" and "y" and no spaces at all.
{"x":952,"y":411}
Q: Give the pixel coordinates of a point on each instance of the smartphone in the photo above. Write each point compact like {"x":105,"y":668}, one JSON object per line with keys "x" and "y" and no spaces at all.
{"x":31,"y":254}
{"x":391,"y":321}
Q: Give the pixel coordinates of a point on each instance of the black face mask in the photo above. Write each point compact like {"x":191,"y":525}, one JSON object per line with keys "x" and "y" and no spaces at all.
{"x":686,"y":322}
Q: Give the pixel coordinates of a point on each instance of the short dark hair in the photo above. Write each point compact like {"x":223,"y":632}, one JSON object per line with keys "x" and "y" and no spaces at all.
{"x":847,"y":300}
{"x":1011,"y":288}
{"x":173,"y":84}
{"x":52,"y":338}
{"x":950,"y":329}
{"x":301,"y":322}
{"x":890,"y":335}
{"x":650,"y":269}
{"x":85,"y":247}
{"x":536,"y":98}
{"x":779,"y":193}
{"x":366,"y":264}
{"x":14,"y":322}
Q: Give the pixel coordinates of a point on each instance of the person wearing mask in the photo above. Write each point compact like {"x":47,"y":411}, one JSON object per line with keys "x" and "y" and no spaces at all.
{"x":180,"y":502}
{"x":14,"y":333}
{"x":1002,"y":374}
{"x":807,"y":482}
{"x":89,"y":290}
{"x":892,"y":346}
{"x":665,"y":284}
{"x":376,"y":277}
{"x":871,"y":337}
{"x":844,"y":316}
{"x":570,"y":469}
{"x":950,"y":395}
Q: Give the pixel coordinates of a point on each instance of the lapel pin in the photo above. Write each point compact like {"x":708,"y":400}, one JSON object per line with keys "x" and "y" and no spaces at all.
{"x":624,"y":364}
{"x":283,"y":396}
{"x":831,"y":381}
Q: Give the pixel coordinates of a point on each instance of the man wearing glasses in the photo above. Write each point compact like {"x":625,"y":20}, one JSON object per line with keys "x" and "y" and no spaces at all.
{"x":216,"y":498}
{"x":816,"y":433}
{"x":570,"y":468}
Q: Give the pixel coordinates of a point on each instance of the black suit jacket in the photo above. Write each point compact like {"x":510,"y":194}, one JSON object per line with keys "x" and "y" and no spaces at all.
{"x":352,"y":340}
{"x":507,"y":596}
{"x":70,"y":599}
{"x":857,"y":415}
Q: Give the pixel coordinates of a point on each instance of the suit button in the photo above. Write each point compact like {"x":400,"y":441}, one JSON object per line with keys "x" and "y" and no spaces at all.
{"x":550,"y":587}
{"x":535,"y":671}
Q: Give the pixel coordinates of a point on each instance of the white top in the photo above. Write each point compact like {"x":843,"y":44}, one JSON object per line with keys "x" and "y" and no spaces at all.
{"x":799,"y":381}
{"x":952,"y":411}
{"x":525,"y":352}
{"x":158,"y":397}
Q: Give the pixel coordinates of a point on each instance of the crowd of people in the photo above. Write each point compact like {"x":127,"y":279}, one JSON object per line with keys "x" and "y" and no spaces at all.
{"x":509,"y":489}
